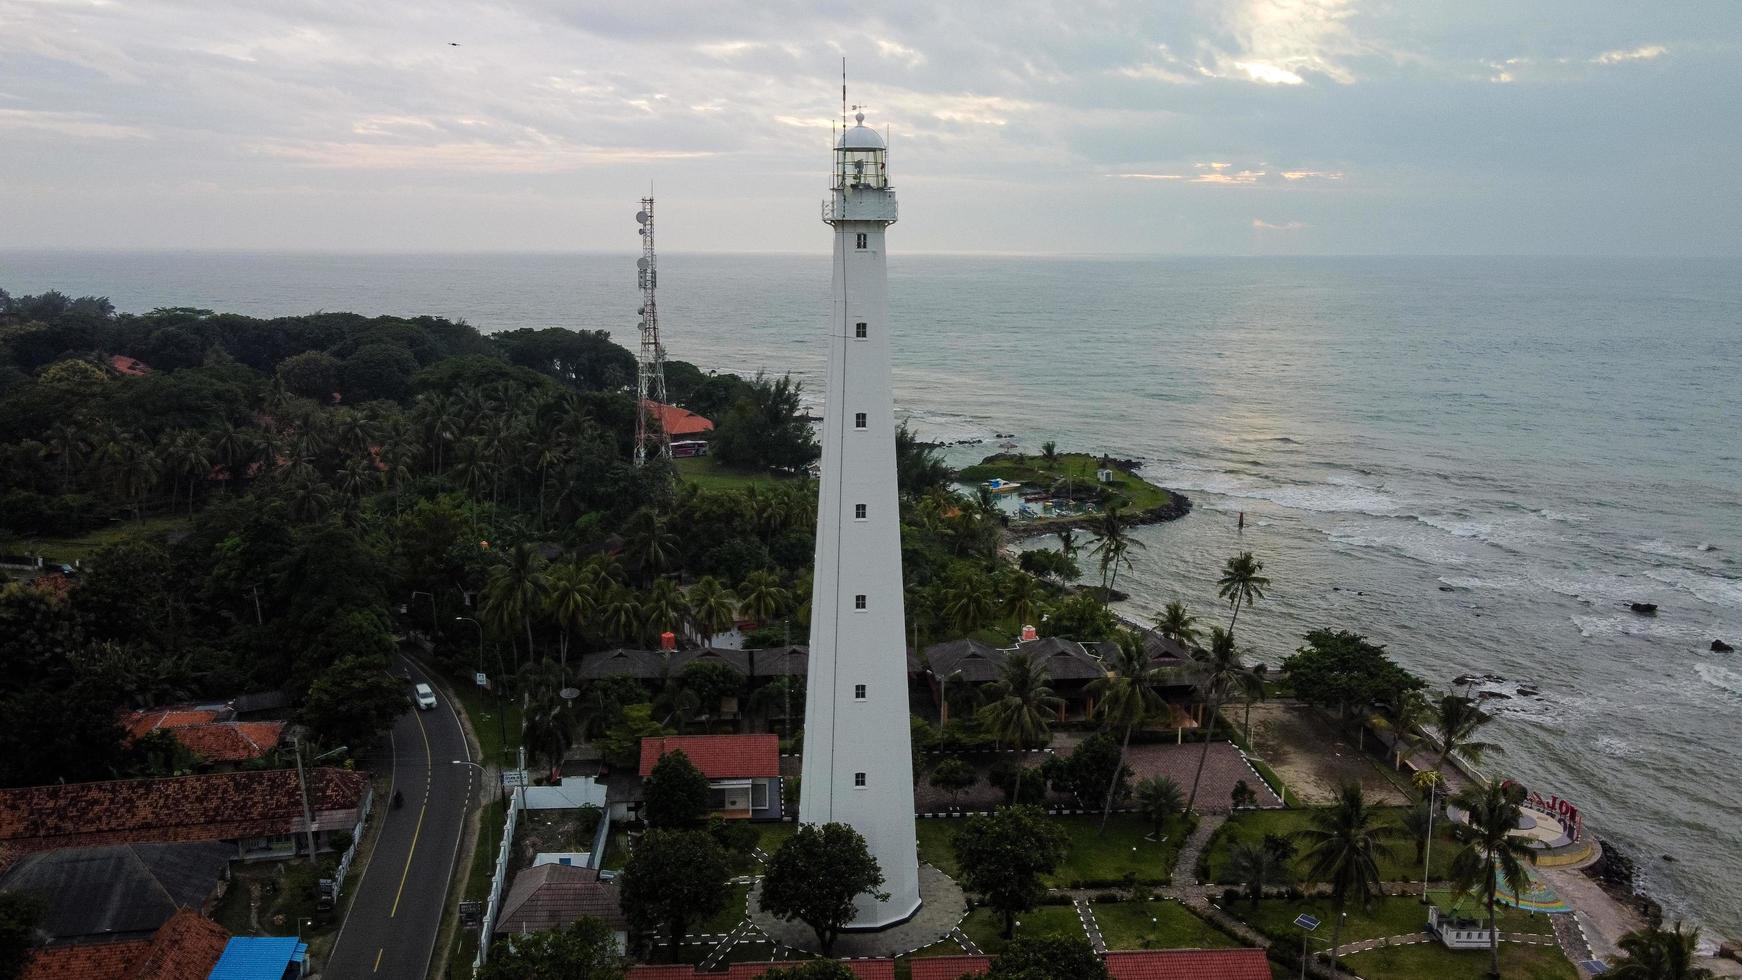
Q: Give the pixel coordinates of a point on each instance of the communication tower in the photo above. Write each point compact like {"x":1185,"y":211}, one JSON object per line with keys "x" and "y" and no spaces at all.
{"x":650,"y":364}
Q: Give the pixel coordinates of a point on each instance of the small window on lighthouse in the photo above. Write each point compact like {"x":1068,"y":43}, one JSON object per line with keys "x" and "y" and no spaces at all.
{"x":862,"y":240}
{"x":859,"y":601}
{"x":858,"y":692}
{"x":858,"y":420}
{"x":858,"y":780}
{"x":858,"y":512}
{"x":860,"y":330}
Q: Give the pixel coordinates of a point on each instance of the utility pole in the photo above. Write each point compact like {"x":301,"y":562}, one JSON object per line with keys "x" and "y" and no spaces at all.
{"x":308,"y":817}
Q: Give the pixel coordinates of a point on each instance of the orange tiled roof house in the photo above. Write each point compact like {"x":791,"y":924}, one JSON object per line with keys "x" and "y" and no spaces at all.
{"x":259,"y":812}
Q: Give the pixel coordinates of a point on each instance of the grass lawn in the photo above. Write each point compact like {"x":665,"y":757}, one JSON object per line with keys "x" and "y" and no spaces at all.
{"x":1090,"y":857}
{"x":616,"y":849}
{"x":1031,"y":471}
{"x":726,"y":919}
{"x":710,"y":473}
{"x":1390,"y":916}
{"x":1399,"y":866}
{"x":85,"y":545}
{"x":1156,"y":925}
{"x":775,"y":833}
{"x":1431,"y":961}
{"x":478,"y":875}
{"x":481,"y":707}
{"x":983,"y":925}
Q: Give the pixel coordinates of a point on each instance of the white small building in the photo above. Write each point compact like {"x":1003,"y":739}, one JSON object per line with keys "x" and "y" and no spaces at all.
{"x":1457,"y":931}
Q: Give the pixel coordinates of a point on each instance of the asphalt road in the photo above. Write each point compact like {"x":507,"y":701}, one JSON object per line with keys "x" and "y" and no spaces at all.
{"x":390,"y":930}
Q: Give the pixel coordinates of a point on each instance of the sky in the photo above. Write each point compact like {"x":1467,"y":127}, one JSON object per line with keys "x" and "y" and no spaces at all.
{"x":1092,"y":126}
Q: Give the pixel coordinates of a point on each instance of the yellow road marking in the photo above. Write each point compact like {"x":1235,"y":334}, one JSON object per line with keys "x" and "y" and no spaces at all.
{"x":378,"y":953}
{"x":417,"y":831}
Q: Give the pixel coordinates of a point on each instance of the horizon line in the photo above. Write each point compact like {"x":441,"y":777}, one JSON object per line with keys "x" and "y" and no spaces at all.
{"x":920,"y":253}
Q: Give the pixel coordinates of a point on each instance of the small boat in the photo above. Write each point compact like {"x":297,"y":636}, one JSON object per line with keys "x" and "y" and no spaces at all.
{"x":1001,"y":486}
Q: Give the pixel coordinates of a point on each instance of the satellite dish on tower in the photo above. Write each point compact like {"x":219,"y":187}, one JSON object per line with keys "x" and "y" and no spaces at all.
{"x":641,"y":217}
{"x":641,"y":263}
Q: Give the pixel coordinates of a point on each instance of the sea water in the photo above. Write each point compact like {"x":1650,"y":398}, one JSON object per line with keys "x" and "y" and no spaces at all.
{"x":1479,"y":462}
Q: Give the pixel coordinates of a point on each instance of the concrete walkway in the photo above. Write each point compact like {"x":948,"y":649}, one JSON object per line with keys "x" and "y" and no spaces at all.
{"x":1185,"y":867}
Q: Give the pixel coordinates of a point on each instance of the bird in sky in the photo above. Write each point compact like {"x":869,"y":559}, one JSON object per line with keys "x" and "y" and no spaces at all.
{"x":453,"y":44}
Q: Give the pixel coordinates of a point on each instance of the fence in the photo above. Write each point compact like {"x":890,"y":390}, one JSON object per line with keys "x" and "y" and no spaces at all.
{"x":499,"y":880}
{"x":351,"y":852}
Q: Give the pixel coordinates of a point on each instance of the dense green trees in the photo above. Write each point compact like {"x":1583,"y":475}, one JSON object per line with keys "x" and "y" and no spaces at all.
{"x":1343,"y":671}
{"x":765,"y":428}
{"x":675,"y":793}
{"x":673,"y":878}
{"x":586,"y":949}
{"x":1490,"y":854}
{"x":1003,"y":855}
{"x":817,"y":875}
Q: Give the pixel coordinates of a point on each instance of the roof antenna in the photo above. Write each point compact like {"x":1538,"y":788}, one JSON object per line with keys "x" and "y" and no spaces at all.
{"x":843,"y":92}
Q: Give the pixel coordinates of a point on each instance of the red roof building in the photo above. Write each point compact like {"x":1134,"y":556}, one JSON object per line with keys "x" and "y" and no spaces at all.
{"x":551,"y":896}
{"x":130,"y":366}
{"x":184,"y":948}
{"x":719,"y":756}
{"x":209,"y":739}
{"x":231,"y":806}
{"x":678,"y":423}
{"x":947,"y":967}
{"x":877,"y":969}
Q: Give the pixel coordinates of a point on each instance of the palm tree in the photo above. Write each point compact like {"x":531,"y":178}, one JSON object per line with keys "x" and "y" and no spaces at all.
{"x":649,"y":543}
{"x":1343,"y":847}
{"x":66,"y":442}
{"x":1020,"y":597}
{"x":309,"y":500}
{"x":1020,"y":705}
{"x":761,"y":597}
{"x":1112,"y":548}
{"x":1491,"y":854}
{"x":620,"y":611}
{"x":1124,"y":698}
{"x":516,"y":588}
{"x":663,"y":607}
{"x":1049,"y":453}
{"x":1258,"y":865}
{"x":1660,"y":954}
{"x":970,"y":601}
{"x":712,"y":607}
{"x":571,"y":602}
{"x":1242,"y":583}
{"x":1403,"y":715}
{"x":187,"y":456}
{"x":1178,"y":625}
{"x":1067,"y":542}
{"x":1220,"y":673}
{"x":1158,"y":798}
{"x":1452,"y":729}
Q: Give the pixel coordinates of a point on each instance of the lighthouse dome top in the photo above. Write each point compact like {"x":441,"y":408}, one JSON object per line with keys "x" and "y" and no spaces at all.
{"x":860,"y":137}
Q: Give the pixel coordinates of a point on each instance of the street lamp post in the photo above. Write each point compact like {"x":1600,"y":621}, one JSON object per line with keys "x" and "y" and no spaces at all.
{"x":501,"y":726}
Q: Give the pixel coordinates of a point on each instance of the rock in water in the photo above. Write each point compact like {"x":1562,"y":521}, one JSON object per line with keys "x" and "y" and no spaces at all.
{"x":1644,"y":608}
{"x":1719,"y":646}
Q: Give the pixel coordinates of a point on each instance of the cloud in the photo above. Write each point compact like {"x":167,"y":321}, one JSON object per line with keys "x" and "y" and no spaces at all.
{"x":1645,"y":52}
{"x":1259,"y":224}
{"x":1293,"y":175}
{"x":896,"y":51}
{"x":1276,"y":41}
{"x":75,"y":125}
{"x":1222,"y":174}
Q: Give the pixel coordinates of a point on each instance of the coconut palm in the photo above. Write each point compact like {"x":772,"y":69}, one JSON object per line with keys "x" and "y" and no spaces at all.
{"x":1242,"y":583}
{"x":1257,"y":865}
{"x":1660,"y":954}
{"x":761,"y":597}
{"x":1158,"y":798}
{"x":515,"y":589}
{"x":67,"y":444}
{"x":712,"y":607}
{"x":1342,"y":847}
{"x":1491,"y":854}
{"x":1220,"y":674}
{"x":571,"y":602}
{"x":1020,"y":705}
{"x":187,"y":456}
{"x":1112,"y":549}
{"x":1067,"y":542}
{"x":664,"y":608}
{"x":1020,"y":597}
{"x":1049,"y":453}
{"x":1452,"y":728}
{"x":1123,"y":699}
{"x":1178,"y":625}
{"x":649,"y":543}
{"x":969,"y":601}
{"x":620,"y":612}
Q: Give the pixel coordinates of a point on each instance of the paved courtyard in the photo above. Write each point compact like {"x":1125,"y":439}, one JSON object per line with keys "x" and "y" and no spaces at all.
{"x":1224,"y":768}
{"x":942,"y":911}
{"x":1313,"y":757}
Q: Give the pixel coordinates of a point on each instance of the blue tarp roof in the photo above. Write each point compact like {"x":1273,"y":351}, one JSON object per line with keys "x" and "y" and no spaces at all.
{"x":259,"y":958}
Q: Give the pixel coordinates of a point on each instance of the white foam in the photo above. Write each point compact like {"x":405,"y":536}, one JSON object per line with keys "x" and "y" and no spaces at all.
{"x":1721,"y":677}
{"x":1419,"y":547}
{"x":1613,"y":745}
{"x":1707,"y":588}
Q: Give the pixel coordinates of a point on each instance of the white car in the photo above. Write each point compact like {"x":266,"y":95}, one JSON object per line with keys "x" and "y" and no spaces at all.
{"x":425,"y":697}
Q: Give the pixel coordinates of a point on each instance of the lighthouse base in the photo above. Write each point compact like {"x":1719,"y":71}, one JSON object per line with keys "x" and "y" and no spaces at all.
{"x":941,"y":909}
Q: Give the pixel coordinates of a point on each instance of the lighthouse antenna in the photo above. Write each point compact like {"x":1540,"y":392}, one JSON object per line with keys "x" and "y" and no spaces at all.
{"x":843,"y":92}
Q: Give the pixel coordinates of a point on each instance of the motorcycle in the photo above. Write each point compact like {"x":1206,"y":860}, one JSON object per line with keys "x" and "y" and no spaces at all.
{"x":398,"y":799}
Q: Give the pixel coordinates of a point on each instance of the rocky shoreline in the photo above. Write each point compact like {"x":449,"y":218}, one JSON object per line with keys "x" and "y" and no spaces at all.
{"x":1178,"y":506}
{"x":1616,"y":873}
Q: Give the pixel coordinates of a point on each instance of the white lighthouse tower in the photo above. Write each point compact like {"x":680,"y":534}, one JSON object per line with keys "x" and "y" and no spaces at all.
{"x":858,"y":765}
